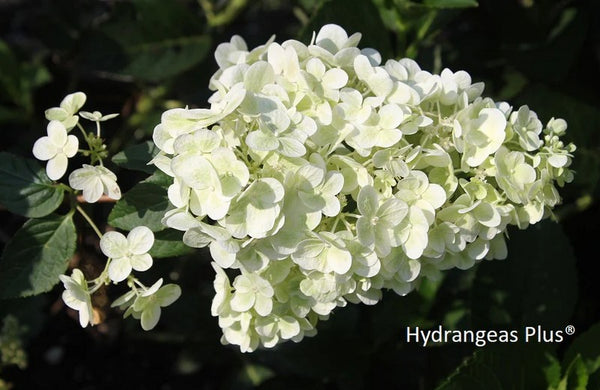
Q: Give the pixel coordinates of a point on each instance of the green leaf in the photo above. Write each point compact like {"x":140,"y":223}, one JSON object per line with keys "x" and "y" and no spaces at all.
{"x":160,"y":39}
{"x":576,"y":376}
{"x":451,"y":3}
{"x":145,"y":204}
{"x":169,"y":243}
{"x":136,"y":157}
{"x":26,"y":189}
{"x":37,"y":254}
{"x":156,"y":61}
{"x":537,"y":284}
{"x":504,"y":367}
{"x":588,"y":346}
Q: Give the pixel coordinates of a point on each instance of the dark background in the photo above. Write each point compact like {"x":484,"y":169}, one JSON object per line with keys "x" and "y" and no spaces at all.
{"x":141,"y":57}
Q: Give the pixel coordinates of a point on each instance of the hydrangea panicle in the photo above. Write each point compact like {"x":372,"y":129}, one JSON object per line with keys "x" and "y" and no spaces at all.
{"x":322,"y":175}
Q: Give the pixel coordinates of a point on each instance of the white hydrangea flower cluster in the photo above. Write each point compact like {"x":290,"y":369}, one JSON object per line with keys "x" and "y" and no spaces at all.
{"x":125,"y":254}
{"x":320,"y":176}
{"x":58,"y":146}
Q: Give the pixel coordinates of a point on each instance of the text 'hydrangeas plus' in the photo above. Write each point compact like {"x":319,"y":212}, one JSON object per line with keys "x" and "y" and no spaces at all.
{"x":320,"y":176}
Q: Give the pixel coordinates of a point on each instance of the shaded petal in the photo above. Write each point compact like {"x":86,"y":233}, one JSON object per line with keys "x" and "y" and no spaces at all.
{"x":44,"y":149}
{"x":140,"y":239}
{"x":57,"y":166}
{"x":242,"y":301}
{"x":150,"y":317}
{"x":119,"y":269}
{"x":93,"y":190}
{"x":114,"y":244}
{"x":168,"y":294}
{"x":141,"y":262}
{"x":57,"y":133}
{"x":70,"y":149}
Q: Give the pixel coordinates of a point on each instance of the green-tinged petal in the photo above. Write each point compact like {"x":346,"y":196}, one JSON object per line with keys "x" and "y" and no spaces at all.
{"x":44,"y":149}
{"x":57,"y":133}
{"x":288,"y":327}
{"x":195,"y":171}
{"x":334,"y":182}
{"x":168,"y":294}
{"x":263,"y":305}
{"x":242,"y":302}
{"x":56,"y":114}
{"x":262,"y":141}
{"x":312,"y":201}
{"x":416,"y":243}
{"x":140,"y":239}
{"x":365,"y":232}
{"x":150,"y":317}
{"x":368,"y":201}
{"x":114,"y":245}
{"x":258,"y":75}
{"x":390,"y":116}
{"x":392,"y":212}
{"x":334,"y":78}
{"x":340,"y":260}
{"x":119,"y":269}
{"x":141,"y":262}
{"x":93,"y":190}
{"x":70,"y":148}
{"x":524,"y":174}
{"x":57,"y":166}
{"x":435,"y":195}
{"x":73,"y":102}
{"x":487,"y":215}
{"x":291,"y":147}
{"x":309,"y":248}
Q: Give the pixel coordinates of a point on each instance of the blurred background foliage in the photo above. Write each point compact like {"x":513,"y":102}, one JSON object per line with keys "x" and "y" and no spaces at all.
{"x":140,"y":57}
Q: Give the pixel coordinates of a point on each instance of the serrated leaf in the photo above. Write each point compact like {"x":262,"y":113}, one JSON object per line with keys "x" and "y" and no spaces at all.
{"x":451,"y":3}
{"x":136,"y":157}
{"x":536,"y":284}
{"x":26,"y":189}
{"x":144,"y":205}
{"x":37,"y":254}
{"x":169,"y":243}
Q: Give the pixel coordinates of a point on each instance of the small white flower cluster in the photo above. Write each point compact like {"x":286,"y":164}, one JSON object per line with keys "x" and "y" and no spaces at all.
{"x":320,"y":176}
{"x":58,"y":146}
{"x":124,"y":255}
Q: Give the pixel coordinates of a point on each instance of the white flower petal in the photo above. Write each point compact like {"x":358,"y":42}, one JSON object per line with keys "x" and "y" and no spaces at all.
{"x":114,"y":245}
{"x":150,"y":317}
{"x":140,"y":239}
{"x":57,"y":166}
{"x":57,"y":133}
{"x":70,"y":148}
{"x":141,"y":262}
{"x":44,"y":149}
{"x":119,"y":269}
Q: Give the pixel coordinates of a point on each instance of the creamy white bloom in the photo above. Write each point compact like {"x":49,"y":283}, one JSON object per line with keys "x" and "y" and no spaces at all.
{"x":147,"y":306}
{"x":77,"y":296}
{"x":95,"y":181}
{"x":56,"y":148}
{"x":127,"y":253}
{"x":69,"y":106}
{"x":321,"y":175}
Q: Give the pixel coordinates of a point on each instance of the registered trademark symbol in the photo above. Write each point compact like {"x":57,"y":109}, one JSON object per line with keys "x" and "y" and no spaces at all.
{"x":570,"y":330}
